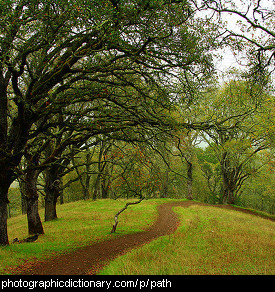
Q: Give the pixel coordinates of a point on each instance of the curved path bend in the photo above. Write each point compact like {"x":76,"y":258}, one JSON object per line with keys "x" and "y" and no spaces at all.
{"x":91,"y":259}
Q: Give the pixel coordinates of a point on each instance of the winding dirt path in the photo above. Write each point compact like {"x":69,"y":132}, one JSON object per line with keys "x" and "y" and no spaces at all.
{"x":91,"y":259}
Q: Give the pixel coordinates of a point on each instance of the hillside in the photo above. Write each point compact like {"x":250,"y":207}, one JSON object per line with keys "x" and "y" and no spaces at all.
{"x":79,"y":224}
{"x":209,"y":240}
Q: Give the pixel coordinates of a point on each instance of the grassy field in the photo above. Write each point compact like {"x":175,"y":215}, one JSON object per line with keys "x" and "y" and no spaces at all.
{"x":209,"y":240}
{"x":80,"y":223}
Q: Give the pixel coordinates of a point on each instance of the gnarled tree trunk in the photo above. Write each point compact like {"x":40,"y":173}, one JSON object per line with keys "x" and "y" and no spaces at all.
{"x":123,"y":209}
{"x":52,"y":191}
{"x":4,"y":187}
{"x":34,"y":222}
{"x":189,"y":180}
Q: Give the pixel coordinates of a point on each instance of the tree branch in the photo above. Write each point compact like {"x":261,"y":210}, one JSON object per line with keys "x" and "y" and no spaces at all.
{"x":123,"y":209}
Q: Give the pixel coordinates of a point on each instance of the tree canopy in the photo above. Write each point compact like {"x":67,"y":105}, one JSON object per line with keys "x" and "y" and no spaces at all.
{"x":80,"y":74}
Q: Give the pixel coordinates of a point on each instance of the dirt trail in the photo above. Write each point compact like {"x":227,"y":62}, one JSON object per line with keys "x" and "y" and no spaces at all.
{"x":91,"y":259}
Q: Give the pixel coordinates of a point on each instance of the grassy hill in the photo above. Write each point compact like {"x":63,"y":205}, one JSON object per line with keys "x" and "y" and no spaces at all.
{"x":209,"y":240}
{"x":79,"y":224}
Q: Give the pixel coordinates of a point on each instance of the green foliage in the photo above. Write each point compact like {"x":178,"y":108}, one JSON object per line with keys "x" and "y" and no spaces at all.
{"x":129,"y":74}
{"x":211,"y":172}
{"x":258,"y":192}
{"x":243,"y":128}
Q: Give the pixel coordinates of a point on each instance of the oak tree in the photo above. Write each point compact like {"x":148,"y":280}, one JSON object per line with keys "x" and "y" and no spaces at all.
{"x":54,"y":54}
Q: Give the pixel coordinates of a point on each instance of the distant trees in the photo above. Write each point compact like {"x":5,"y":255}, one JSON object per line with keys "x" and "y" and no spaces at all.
{"x":258,"y":191}
{"x":249,"y":129}
{"x":185,"y":145}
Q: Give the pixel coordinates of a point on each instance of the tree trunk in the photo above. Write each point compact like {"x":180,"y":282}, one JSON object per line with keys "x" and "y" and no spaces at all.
{"x":231,"y":197}
{"x":34,"y":222}
{"x":97,"y":189}
{"x":189,"y":180}
{"x":86,"y":192}
{"x":4,"y":240}
{"x":4,"y":181}
{"x":88,"y":176}
{"x":4,"y":186}
{"x":52,"y":191}
{"x":104,"y":193}
{"x":105,"y":184}
{"x":50,"y":207}
{"x":123,"y":209}
{"x":229,"y":186}
{"x":29,"y":192}
{"x":226,"y":179}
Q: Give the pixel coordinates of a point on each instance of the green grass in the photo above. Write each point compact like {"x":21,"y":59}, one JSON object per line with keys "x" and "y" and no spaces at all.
{"x":261,"y":213}
{"x":209,"y":241}
{"x":80,"y":223}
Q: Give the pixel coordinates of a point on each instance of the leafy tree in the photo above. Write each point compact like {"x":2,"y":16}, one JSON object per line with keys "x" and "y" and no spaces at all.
{"x":248,"y":131}
{"x":86,"y":160}
{"x":258,"y":190}
{"x":210,"y":166}
{"x":134,"y":172}
{"x":103,"y":177}
{"x":55,"y":54}
{"x":185,"y":144}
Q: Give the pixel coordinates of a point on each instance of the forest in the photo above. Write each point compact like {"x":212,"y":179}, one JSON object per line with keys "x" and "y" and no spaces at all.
{"x":130,"y":99}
